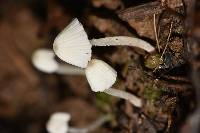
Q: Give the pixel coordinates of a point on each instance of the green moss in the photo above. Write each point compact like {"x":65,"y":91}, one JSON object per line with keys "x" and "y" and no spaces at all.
{"x":152,"y":94}
{"x":153,"y":61}
{"x":102,"y":101}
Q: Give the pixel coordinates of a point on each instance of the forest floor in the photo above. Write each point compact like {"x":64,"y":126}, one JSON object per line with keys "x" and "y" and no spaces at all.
{"x":167,"y":80}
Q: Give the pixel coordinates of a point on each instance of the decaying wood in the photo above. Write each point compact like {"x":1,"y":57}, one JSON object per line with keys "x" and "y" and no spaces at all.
{"x":109,"y":27}
{"x":139,"y":12}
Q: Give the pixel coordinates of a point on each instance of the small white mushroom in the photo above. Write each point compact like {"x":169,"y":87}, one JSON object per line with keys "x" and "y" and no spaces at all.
{"x":123,"y":40}
{"x":44,"y":60}
{"x":72,"y":45}
{"x":101,"y":77}
{"x":59,"y":123}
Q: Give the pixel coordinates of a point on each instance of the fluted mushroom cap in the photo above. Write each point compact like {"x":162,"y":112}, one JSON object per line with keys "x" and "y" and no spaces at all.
{"x":72,"y":45}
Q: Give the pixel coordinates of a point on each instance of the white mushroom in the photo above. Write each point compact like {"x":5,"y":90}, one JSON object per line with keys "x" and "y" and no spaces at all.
{"x":43,"y":60}
{"x":72,"y":44}
{"x":101,"y":77}
{"x":59,"y":123}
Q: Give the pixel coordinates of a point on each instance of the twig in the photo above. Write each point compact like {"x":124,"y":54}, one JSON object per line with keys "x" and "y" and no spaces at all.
{"x":170,"y":31}
{"x":155,"y":32}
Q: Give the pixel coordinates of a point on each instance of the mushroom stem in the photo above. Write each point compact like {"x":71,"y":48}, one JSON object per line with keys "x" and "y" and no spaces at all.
{"x":124,"y":95}
{"x":69,"y":70}
{"x":92,"y":126}
{"x":123,"y":40}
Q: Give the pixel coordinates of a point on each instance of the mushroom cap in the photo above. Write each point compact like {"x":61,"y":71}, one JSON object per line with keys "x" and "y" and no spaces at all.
{"x":58,"y":123}
{"x":43,"y":60}
{"x":72,"y":45}
{"x":100,"y":75}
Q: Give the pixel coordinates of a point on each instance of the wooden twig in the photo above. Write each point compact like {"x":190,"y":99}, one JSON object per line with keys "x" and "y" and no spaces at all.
{"x":155,"y":31}
{"x":170,"y":31}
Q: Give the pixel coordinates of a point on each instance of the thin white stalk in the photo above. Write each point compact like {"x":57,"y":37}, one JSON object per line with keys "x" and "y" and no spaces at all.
{"x":69,"y":70}
{"x":96,"y":124}
{"x":124,"y":95}
{"x":123,"y":40}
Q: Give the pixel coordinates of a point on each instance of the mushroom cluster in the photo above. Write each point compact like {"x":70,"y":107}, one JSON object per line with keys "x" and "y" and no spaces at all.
{"x":73,"y":46}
